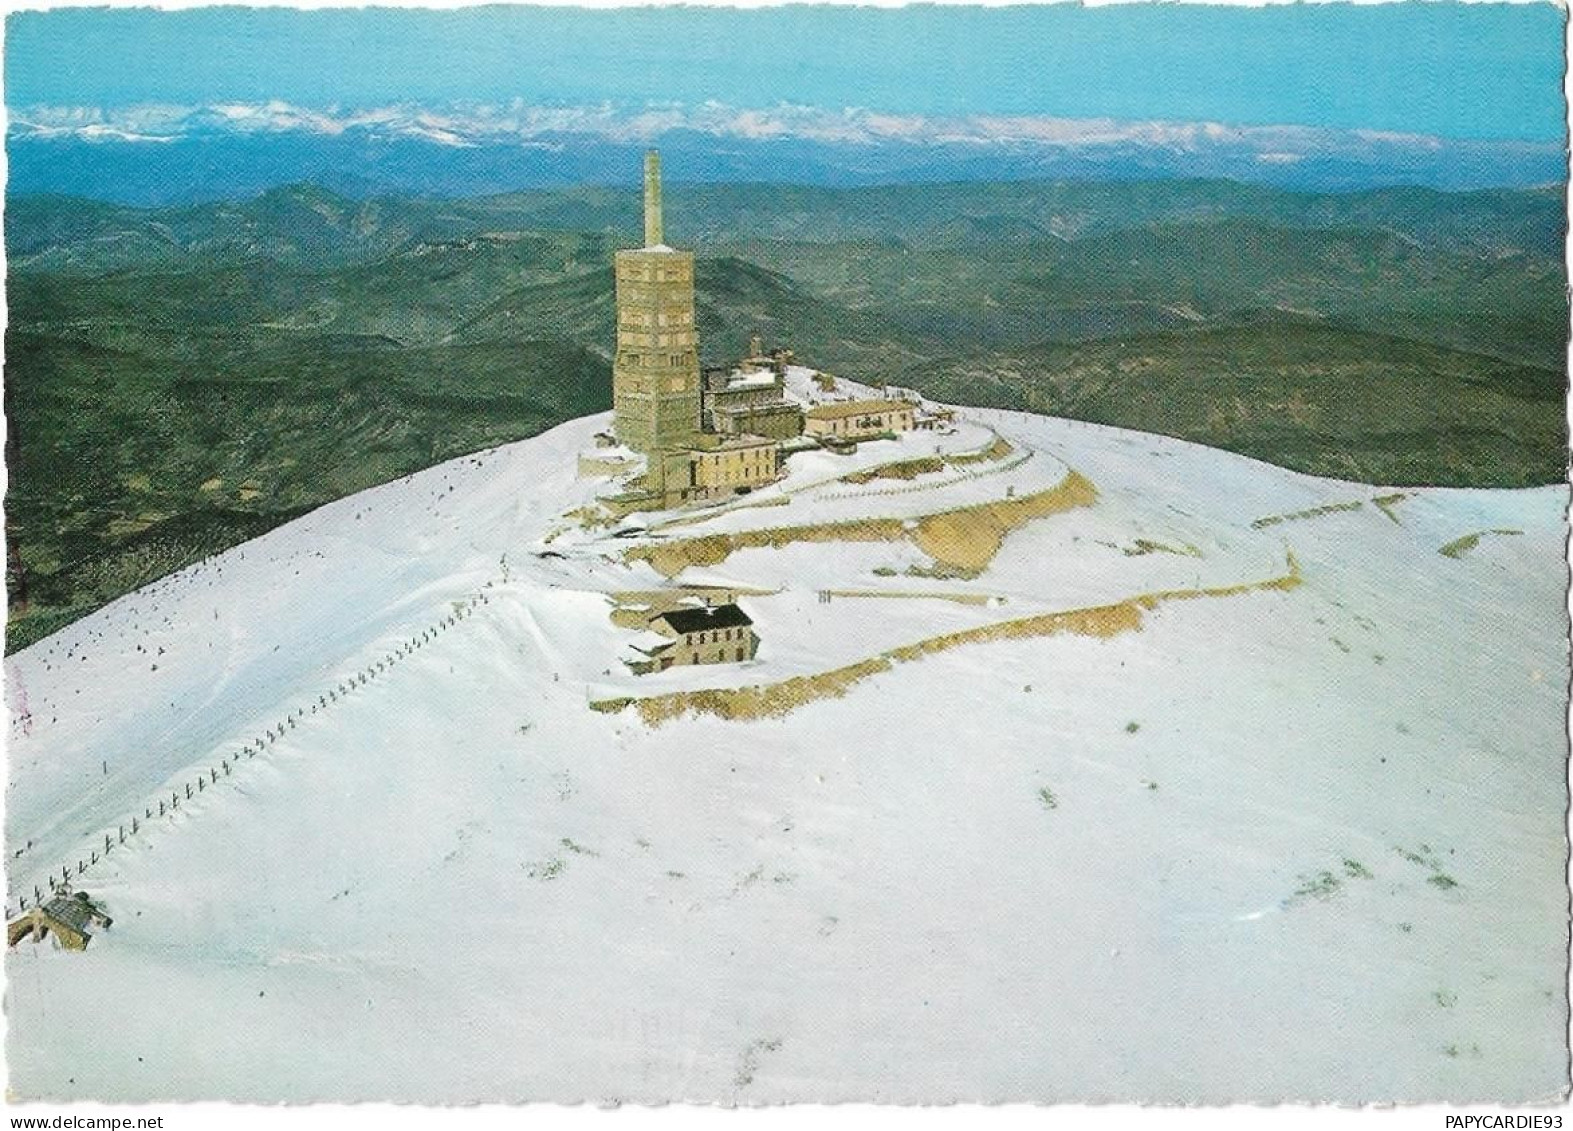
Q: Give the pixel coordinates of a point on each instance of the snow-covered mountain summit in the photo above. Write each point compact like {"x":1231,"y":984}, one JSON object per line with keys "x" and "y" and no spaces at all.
{"x":1074,"y":764}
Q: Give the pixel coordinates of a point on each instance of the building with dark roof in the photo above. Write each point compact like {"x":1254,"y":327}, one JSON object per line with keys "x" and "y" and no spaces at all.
{"x":71,"y":919}
{"x":699,"y":634}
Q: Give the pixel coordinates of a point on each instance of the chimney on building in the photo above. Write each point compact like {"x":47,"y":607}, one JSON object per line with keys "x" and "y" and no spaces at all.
{"x":652,"y":199}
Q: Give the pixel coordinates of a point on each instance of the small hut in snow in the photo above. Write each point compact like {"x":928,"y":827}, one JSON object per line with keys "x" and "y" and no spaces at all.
{"x":71,"y":918}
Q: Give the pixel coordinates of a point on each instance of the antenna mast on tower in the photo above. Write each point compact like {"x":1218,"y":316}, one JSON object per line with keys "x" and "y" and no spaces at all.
{"x":652,"y":200}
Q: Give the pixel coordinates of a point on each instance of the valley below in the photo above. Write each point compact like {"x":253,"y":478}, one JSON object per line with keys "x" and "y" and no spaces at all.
{"x":182,"y":379}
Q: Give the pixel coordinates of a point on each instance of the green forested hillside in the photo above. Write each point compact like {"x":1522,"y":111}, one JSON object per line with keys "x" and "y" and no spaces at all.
{"x":1320,"y":399}
{"x":179,"y":380}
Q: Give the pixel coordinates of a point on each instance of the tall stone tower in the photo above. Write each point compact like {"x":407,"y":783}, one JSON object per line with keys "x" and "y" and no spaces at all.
{"x":655,"y":378}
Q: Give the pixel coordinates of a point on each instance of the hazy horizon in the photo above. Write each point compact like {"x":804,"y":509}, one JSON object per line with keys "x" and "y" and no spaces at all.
{"x":149,"y":107}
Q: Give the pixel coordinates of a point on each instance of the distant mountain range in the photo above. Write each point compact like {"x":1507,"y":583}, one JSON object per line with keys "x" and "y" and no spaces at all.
{"x":182,"y":154}
{"x":309,"y":225}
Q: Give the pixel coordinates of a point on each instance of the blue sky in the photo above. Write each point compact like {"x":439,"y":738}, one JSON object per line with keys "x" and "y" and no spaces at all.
{"x":1474,"y":71}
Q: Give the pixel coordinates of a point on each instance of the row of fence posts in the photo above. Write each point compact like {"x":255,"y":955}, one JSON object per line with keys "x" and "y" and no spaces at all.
{"x":209,"y":776}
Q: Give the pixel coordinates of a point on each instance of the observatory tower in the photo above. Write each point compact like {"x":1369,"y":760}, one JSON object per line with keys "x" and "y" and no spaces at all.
{"x":655,"y":377}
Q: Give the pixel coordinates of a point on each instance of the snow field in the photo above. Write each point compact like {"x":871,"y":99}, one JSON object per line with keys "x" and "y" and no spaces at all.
{"x":1294,"y":845}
